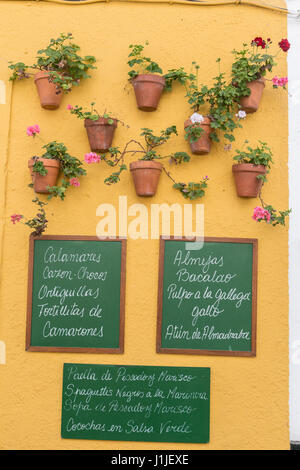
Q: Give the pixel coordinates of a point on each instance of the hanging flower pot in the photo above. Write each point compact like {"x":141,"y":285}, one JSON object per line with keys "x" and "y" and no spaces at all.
{"x":148,"y":89}
{"x":148,"y":78}
{"x":246,"y":181}
{"x":250,"y":103}
{"x":201,"y":145}
{"x":40,"y":182}
{"x":50,"y":96}
{"x":145,"y":174}
{"x":100,"y":133}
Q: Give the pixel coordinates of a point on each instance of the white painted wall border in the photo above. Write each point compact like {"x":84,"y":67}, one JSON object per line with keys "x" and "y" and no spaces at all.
{"x":294,"y":231}
{"x":2,"y":92}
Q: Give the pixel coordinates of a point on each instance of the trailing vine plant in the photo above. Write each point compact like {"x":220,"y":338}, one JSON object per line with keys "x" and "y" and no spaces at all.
{"x":38,"y":223}
{"x":148,"y":149}
{"x":269,"y":214}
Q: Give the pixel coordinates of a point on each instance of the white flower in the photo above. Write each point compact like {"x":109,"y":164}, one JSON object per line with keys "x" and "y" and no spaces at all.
{"x":241,"y":114}
{"x":196,"y":117}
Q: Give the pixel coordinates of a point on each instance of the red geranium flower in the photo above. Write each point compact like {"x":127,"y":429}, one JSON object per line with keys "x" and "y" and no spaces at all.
{"x":259,"y":42}
{"x":284,"y":45}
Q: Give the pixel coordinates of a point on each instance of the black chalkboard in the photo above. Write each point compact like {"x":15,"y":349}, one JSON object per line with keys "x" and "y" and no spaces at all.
{"x":135,"y":403}
{"x":76,"y":293}
{"x":207,"y":297}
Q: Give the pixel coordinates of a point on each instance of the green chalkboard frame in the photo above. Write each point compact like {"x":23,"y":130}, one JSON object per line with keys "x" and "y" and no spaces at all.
{"x":206,"y":352}
{"x":200,"y":419}
{"x":120,"y":349}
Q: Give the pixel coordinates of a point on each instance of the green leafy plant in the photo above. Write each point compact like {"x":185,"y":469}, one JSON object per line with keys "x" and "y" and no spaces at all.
{"x":37,"y":223}
{"x":93,"y":114}
{"x":196,"y":96}
{"x":71,"y":168}
{"x":148,"y":152}
{"x":260,"y":155}
{"x":39,"y":167}
{"x":193,"y":132}
{"x":222,"y":98}
{"x":175,"y":75}
{"x":195,"y":93}
{"x":140,"y":64}
{"x":220,"y":102}
{"x":61,"y":60}
{"x":192,"y":190}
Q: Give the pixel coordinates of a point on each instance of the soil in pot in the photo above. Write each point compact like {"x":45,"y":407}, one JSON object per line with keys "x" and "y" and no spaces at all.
{"x":47,"y":91}
{"x":250,"y":103}
{"x":148,"y":89}
{"x":40,"y":182}
{"x":145,"y":174}
{"x":203,"y":144}
{"x":246,"y":181}
{"x":100,"y":133}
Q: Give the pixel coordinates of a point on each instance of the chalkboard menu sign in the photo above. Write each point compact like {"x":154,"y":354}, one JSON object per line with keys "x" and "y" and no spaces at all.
{"x":135,"y":403}
{"x":207,"y":297}
{"x":76,"y":294}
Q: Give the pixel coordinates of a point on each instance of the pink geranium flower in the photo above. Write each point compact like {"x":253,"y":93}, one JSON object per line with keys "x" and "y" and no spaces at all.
{"x":277,"y":81}
{"x":92,"y":157}
{"x":69,"y":107}
{"x":74,"y":182}
{"x":15,"y":218}
{"x":261,"y":214}
{"x":33,"y":130}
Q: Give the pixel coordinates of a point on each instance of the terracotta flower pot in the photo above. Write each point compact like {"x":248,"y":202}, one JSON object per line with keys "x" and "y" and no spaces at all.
{"x":250,"y":103}
{"x":100,"y":133}
{"x":40,"y":182}
{"x":203,"y":144}
{"x":145,"y":174}
{"x":245,"y":175}
{"x":48,"y":93}
{"x":148,"y":89}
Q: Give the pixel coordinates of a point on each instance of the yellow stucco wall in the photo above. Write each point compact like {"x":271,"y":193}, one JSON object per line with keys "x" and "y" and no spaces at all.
{"x":249,"y":397}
